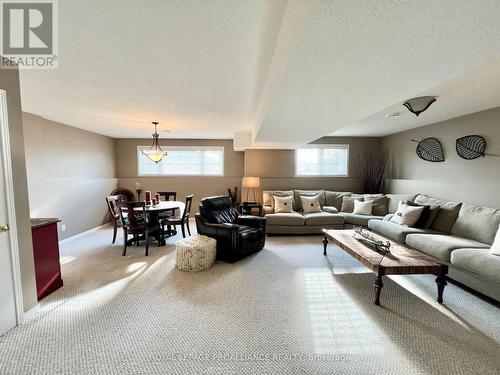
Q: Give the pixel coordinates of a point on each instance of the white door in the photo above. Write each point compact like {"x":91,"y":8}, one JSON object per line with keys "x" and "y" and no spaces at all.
{"x":8,"y":311}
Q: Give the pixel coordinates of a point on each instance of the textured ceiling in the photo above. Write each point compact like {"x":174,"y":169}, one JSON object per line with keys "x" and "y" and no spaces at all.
{"x":197,"y":67}
{"x":286,"y":71}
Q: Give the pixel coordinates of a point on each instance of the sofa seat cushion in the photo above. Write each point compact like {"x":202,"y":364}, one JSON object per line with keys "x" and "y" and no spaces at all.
{"x":477,"y":223}
{"x":478,"y":261}
{"x":323,"y":218}
{"x":355,"y":219}
{"x":292,"y":218}
{"x":394,"y":231}
{"x":440,"y":246}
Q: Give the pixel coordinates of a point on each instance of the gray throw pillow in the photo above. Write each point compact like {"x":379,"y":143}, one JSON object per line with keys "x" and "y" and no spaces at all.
{"x":380,"y":204}
{"x":446,"y":215}
{"x":348,"y":203}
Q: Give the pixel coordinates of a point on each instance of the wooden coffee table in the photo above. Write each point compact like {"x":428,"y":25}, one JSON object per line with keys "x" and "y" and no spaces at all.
{"x":399,"y":260}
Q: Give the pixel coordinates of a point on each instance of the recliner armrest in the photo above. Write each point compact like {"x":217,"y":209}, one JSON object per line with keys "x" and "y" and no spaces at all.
{"x":252,"y":221}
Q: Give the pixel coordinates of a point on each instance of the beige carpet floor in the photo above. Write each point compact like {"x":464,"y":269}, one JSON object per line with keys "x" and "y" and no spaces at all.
{"x":285,"y":310}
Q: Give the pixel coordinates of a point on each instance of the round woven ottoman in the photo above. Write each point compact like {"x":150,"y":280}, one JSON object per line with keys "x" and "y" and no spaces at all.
{"x":196,"y":253}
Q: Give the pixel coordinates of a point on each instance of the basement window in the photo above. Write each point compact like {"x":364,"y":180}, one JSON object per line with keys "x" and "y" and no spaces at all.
{"x":328,"y":160}
{"x":183,"y":161}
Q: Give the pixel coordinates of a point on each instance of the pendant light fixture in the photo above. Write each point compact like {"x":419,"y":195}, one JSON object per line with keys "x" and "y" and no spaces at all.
{"x":155,"y":153}
{"x":420,"y":104}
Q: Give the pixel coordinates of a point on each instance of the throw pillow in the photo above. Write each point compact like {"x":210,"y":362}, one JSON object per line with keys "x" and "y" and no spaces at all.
{"x":310,"y":204}
{"x":283,"y":204}
{"x":348,"y":203}
{"x":428,"y":214}
{"x":407,"y":215}
{"x":495,"y":248}
{"x":330,"y":209}
{"x":363,"y":208}
{"x":380,"y":204}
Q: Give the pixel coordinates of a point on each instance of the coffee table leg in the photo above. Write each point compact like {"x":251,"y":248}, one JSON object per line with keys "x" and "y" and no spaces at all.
{"x":441,"y":283}
{"x":378,"y":285}
{"x":325,"y":244}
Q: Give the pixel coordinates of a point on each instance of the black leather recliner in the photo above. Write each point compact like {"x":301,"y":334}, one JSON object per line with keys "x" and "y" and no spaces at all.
{"x":237,"y":236}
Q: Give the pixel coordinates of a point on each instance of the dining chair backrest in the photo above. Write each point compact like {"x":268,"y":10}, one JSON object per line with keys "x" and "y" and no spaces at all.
{"x":187,"y":207}
{"x":134,"y":218}
{"x":113,"y":202}
{"x":166,"y":195}
{"x":126,"y":194}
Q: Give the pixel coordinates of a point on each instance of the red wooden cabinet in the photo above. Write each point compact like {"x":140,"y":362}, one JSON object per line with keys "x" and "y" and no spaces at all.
{"x":46,"y":256}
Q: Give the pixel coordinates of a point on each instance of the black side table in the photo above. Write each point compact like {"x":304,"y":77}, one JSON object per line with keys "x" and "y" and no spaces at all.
{"x":246,"y":208}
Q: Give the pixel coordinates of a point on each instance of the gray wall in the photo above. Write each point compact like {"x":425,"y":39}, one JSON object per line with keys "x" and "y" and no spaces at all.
{"x":9,"y":81}
{"x":70,"y":172}
{"x":201,"y":186}
{"x":471,"y":181}
{"x":277,"y":167}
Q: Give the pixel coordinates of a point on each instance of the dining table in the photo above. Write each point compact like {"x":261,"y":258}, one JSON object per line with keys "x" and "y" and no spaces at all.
{"x":153,"y":211}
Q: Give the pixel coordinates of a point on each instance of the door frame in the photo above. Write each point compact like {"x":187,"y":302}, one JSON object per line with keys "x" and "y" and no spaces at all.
{"x":11,"y":211}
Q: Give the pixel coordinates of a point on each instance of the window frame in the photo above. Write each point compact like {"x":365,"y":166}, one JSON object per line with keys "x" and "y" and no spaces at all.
{"x":183,"y":148}
{"x":323,"y":146}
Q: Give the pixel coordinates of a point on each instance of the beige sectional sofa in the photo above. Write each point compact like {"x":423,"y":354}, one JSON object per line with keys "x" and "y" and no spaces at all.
{"x":298,"y":222}
{"x":460,"y":234}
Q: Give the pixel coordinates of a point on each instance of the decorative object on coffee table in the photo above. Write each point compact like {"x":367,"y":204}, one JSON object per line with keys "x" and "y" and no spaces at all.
{"x":471,"y":147}
{"x":366,"y":236}
{"x":196,"y":253}
{"x":430,"y":149}
{"x":401,"y":260}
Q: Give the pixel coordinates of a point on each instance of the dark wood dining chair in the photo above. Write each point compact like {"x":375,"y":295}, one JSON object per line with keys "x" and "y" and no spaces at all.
{"x":126,"y":194}
{"x":166,"y":195}
{"x":113,"y":203}
{"x":181,"y":220}
{"x":136,"y":223}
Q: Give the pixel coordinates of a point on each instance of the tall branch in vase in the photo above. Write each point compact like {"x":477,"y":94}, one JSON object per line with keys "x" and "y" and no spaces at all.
{"x":372,"y":167}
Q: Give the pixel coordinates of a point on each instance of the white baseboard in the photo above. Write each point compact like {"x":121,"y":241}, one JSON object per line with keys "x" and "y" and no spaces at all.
{"x":31,"y":313}
{"x":83,"y":233}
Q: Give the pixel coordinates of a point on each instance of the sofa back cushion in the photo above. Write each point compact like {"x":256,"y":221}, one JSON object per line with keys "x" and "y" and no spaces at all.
{"x":267,"y":196}
{"x":308,"y":193}
{"x":348,"y":202}
{"x":380,"y":204}
{"x":393,"y":201}
{"x":477,"y":223}
{"x":334,"y":198}
{"x":447,"y":213}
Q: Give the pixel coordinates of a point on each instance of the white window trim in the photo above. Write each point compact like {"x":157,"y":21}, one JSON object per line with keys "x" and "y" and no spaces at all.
{"x":173,"y":148}
{"x":341,"y":146}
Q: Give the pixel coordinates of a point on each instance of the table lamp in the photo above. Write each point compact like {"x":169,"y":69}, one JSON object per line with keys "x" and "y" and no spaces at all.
{"x":251,"y":183}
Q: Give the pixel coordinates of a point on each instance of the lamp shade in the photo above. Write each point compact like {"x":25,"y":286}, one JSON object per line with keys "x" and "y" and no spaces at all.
{"x":251,"y":182}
